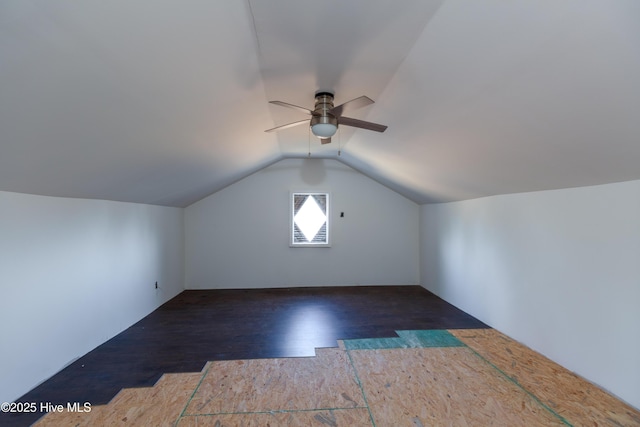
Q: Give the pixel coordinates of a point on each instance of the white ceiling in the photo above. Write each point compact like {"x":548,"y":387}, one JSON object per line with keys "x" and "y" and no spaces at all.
{"x":166,"y":102}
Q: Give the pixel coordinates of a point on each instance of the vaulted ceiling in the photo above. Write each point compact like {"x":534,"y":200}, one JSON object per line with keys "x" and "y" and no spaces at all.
{"x":166,"y":102}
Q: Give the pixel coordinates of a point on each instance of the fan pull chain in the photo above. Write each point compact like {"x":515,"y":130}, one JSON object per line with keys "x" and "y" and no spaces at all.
{"x":339,"y":142}
{"x":309,"y":139}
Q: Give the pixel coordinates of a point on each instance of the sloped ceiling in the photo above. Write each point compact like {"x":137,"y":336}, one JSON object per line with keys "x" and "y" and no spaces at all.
{"x":165,"y":102}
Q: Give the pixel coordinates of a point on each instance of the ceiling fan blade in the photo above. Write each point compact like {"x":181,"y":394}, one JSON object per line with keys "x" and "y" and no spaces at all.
{"x":354,"y":104}
{"x":325,"y":140}
{"x":348,"y":121}
{"x":289,"y":125}
{"x":295,"y":107}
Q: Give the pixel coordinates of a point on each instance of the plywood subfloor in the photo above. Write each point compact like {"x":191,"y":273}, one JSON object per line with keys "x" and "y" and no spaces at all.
{"x":146,"y":406}
{"x":443,"y":386}
{"x":420,"y":378}
{"x":570,"y":396}
{"x":324,"y":382}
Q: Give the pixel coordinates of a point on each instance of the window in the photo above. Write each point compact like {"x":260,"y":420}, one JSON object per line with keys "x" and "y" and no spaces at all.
{"x":309,"y":219}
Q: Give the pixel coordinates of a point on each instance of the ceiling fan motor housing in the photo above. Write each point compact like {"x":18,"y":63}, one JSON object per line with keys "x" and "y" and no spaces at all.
{"x":324,"y":103}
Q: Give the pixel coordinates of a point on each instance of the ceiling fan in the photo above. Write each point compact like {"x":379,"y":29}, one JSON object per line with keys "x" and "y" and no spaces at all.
{"x":325,"y":118}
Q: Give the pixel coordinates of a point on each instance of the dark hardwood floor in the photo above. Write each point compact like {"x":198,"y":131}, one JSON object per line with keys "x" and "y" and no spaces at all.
{"x":198,"y":326}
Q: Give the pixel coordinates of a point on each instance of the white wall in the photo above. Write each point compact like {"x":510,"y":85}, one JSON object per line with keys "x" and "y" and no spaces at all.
{"x":239,"y":237}
{"x":557,"y":270}
{"x":74,"y":273}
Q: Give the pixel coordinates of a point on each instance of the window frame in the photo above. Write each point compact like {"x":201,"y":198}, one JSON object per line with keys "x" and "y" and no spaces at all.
{"x":292,"y":242}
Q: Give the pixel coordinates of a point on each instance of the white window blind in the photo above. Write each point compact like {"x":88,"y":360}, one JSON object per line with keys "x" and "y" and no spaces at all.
{"x":310,"y":219}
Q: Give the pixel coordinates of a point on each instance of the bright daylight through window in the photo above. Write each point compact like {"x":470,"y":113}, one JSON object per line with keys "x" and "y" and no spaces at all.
{"x":310,"y":219}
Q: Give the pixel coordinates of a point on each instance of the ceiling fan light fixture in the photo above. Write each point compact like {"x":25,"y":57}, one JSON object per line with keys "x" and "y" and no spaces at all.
{"x":323,"y":124}
{"x":324,"y":130}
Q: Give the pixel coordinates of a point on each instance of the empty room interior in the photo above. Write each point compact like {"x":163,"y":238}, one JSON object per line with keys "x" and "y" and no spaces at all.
{"x":332,"y":213}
